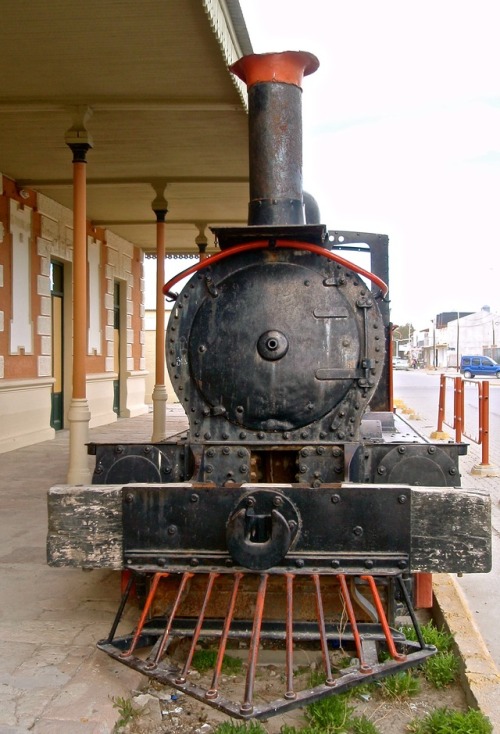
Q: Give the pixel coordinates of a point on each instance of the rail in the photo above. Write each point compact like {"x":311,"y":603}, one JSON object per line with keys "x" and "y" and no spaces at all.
{"x":459,"y":422}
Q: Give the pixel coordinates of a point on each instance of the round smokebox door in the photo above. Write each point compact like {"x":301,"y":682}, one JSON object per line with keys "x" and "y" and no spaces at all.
{"x":261,"y":349}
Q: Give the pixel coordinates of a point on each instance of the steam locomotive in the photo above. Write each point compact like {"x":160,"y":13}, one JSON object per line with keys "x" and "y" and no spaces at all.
{"x":299,"y":508}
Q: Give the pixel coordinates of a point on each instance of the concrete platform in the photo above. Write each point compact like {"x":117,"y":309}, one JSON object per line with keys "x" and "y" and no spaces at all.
{"x":52,"y":677}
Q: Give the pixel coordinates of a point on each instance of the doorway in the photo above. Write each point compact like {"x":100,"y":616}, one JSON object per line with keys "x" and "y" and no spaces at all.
{"x":116,"y":339}
{"x":57,"y":298}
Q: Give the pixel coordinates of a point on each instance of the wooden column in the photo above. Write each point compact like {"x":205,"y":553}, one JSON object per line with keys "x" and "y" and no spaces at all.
{"x":201,"y":240}
{"x":160,"y":396}
{"x":79,"y":141}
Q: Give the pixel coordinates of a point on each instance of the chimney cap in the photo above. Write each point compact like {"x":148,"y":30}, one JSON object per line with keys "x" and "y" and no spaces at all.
{"x":287,"y":67}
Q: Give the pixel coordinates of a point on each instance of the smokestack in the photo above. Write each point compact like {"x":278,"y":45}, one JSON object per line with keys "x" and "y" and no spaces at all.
{"x":275,"y":134}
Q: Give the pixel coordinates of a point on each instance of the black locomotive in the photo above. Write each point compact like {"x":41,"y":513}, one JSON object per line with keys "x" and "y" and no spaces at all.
{"x":298,"y":506}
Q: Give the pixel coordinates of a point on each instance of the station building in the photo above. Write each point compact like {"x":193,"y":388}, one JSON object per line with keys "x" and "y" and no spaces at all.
{"x":122,"y":135}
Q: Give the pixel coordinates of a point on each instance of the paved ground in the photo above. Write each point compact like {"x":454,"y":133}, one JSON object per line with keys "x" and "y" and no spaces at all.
{"x":52,"y":679}
{"x":468,"y":605}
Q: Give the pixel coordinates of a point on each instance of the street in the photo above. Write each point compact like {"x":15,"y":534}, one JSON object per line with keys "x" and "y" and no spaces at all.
{"x":420,"y":392}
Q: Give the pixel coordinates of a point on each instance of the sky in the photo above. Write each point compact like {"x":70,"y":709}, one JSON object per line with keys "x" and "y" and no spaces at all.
{"x":402,"y":136}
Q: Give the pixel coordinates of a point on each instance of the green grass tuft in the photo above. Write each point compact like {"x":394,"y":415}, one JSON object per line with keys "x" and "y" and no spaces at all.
{"x":432,"y":636}
{"x":401,"y":685}
{"x":362,"y":725}
{"x":126,"y":709}
{"x":445,"y":721}
{"x":331,"y":714}
{"x":441,"y":670}
{"x":229,"y":727}
{"x":204,"y":660}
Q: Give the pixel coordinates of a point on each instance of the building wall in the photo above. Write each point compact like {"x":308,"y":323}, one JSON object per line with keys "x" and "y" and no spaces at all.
{"x":33,"y":231}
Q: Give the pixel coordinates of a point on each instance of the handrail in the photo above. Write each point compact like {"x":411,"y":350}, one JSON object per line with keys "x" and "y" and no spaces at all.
{"x":459,"y":416}
{"x":273,"y":244}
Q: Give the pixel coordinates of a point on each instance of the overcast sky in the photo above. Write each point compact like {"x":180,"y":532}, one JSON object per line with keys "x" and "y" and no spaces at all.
{"x":402,"y":135}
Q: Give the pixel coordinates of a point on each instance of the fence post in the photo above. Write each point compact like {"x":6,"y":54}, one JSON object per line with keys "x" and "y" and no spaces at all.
{"x":484,"y":469}
{"x":459,"y":409}
{"x":439,"y":434}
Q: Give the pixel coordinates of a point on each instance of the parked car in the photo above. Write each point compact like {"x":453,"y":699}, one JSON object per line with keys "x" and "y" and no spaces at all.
{"x":398,"y":363}
{"x":472,"y":365}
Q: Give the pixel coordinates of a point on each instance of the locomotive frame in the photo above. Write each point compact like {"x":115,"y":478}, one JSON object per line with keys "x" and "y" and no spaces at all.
{"x":298,"y":507}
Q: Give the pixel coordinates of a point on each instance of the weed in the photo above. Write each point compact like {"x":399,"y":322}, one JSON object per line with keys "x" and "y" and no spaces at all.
{"x":445,"y":721}
{"x":401,"y":685}
{"x":432,"y":636}
{"x":126,"y":710}
{"x":331,"y":714}
{"x":204,"y":660}
{"x":362,"y":725}
{"x":229,"y":727}
{"x":441,"y":670}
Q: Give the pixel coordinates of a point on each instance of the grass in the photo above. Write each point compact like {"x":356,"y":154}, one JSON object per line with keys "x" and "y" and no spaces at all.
{"x":445,"y":721}
{"x":442,"y":669}
{"x":229,"y":727}
{"x":432,"y":635}
{"x":204,"y":660}
{"x":362,"y":725}
{"x":332,"y":714}
{"x":126,"y":710}
{"x":401,"y":685}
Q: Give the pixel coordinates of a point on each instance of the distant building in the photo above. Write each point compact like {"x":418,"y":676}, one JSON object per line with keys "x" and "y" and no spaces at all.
{"x":448,"y":337}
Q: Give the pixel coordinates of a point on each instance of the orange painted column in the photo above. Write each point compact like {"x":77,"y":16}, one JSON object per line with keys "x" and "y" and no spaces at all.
{"x":160,"y":298}
{"x":79,"y":279}
{"x":160,"y":397}
{"x":79,"y":412}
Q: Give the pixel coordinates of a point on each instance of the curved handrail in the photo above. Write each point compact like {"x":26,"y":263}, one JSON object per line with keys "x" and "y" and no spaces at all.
{"x":276,"y":244}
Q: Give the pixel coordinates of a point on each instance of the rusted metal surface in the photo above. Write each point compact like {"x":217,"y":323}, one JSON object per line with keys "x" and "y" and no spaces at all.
{"x":275,"y":131}
{"x":147,"y":649}
{"x":450,"y":528}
